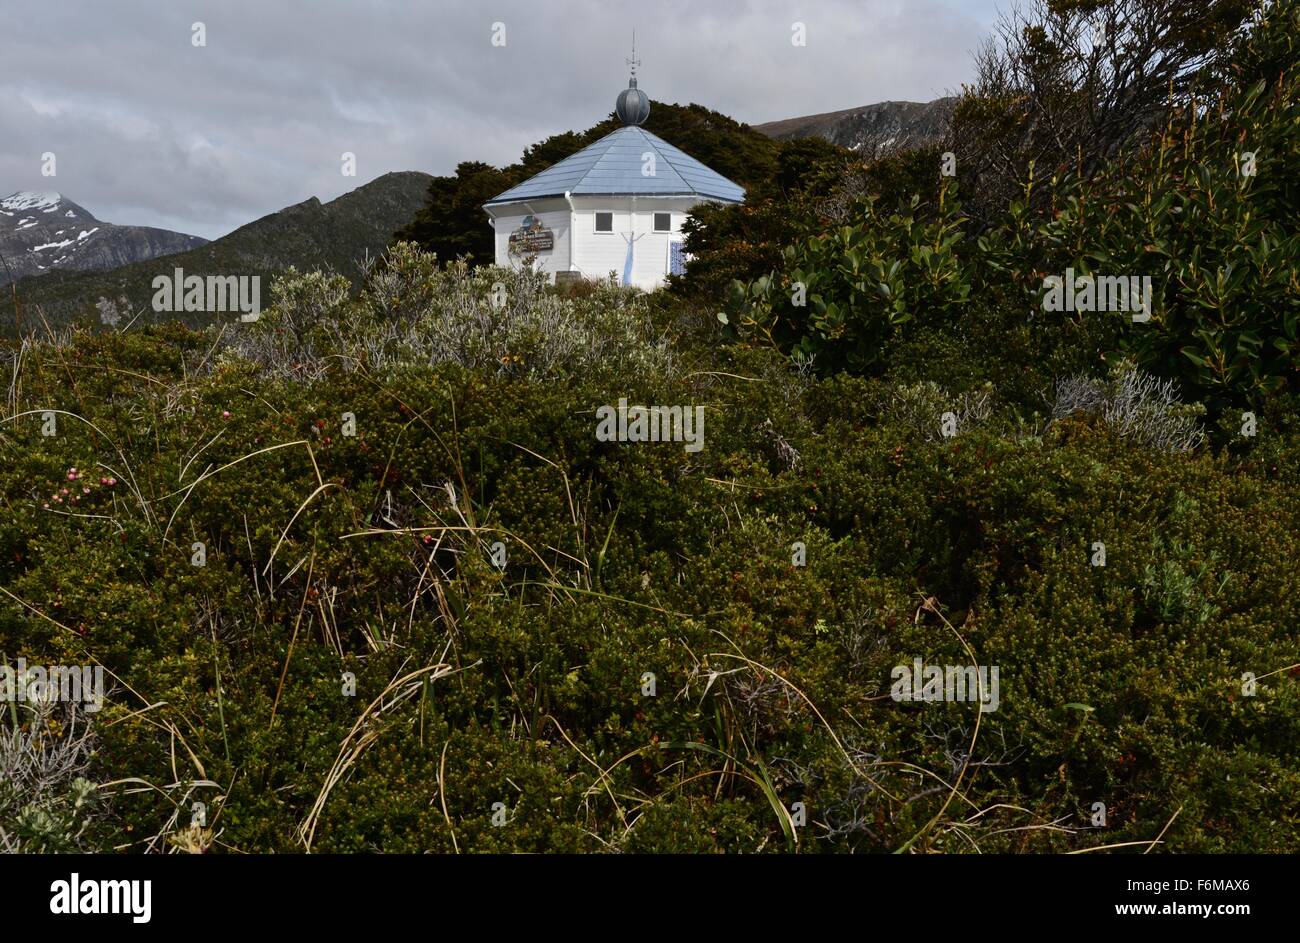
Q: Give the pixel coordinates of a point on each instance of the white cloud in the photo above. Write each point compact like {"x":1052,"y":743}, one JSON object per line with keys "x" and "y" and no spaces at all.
{"x":150,"y":130}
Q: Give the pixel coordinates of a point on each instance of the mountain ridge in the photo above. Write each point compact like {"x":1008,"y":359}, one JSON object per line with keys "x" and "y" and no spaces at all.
{"x":876,"y":130}
{"x":305,"y":235}
{"x":45,"y":232}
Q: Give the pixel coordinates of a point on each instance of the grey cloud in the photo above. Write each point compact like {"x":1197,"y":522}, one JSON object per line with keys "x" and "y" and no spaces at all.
{"x":149,"y":130}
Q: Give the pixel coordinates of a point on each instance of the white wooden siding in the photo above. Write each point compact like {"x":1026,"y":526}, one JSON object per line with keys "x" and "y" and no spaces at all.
{"x":596,"y":255}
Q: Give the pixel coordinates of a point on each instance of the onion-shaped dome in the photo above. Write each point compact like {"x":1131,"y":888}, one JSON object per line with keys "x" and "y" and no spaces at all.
{"x":633,"y":105}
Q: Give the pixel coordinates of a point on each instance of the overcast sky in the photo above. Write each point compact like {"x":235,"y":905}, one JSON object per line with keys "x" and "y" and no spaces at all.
{"x":148,"y":129}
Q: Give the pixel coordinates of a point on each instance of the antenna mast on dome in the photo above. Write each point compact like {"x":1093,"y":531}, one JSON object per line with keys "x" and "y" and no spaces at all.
{"x":632,"y":105}
{"x":634,"y":61}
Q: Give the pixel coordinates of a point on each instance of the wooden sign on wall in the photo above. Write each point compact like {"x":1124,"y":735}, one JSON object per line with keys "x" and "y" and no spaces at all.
{"x":531,"y":238}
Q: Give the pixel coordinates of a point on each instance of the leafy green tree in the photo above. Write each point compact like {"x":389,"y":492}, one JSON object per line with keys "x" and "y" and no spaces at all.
{"x":841,"y":295}
{"x":729,"y":242}
{"x":1205,"y":209}
{"x":1071,"y":82}
{"x":452,"y":223}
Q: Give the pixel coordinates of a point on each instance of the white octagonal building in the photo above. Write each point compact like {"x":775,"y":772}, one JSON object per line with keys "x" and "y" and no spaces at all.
{"x":617,"y":206}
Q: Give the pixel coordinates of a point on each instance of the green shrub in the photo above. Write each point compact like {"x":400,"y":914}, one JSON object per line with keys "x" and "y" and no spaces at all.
{"x":372,"y":555}
{"x":840,"y":296}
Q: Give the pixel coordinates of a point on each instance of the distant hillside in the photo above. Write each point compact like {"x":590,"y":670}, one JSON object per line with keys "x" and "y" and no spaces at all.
{"x":45,"y":232}
{"x":872,"y":130}
{"x":307,"y":235}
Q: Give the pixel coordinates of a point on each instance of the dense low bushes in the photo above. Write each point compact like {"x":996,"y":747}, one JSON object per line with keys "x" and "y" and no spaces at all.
{"x":372,"y":554}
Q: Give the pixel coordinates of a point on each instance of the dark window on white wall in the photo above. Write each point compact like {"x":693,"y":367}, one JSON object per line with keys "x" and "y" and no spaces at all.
{"x":663,"y":222}
{"x":604,"y":222}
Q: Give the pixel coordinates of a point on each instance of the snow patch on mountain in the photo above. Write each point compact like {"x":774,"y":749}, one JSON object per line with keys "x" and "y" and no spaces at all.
{"x":34,"y":238}
{"x":31,"y":200}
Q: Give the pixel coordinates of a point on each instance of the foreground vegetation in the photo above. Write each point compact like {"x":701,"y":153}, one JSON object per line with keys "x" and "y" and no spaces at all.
{"x":372,"y":554}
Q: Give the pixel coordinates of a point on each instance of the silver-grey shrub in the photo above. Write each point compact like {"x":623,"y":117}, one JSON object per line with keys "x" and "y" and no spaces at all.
{"x":920,"y":407}
{"x":411,"y":310}
{"x":45,"y":799}
{"x":1136,"y":405}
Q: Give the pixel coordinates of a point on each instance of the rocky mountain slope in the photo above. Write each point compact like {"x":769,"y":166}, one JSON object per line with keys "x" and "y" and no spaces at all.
{"x":308,"y":235}
{"x":872,"y":130}
{"x":46,"y":232}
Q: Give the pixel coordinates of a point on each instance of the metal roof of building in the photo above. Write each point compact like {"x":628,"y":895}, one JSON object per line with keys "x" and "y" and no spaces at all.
{"x":612,"y":167}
